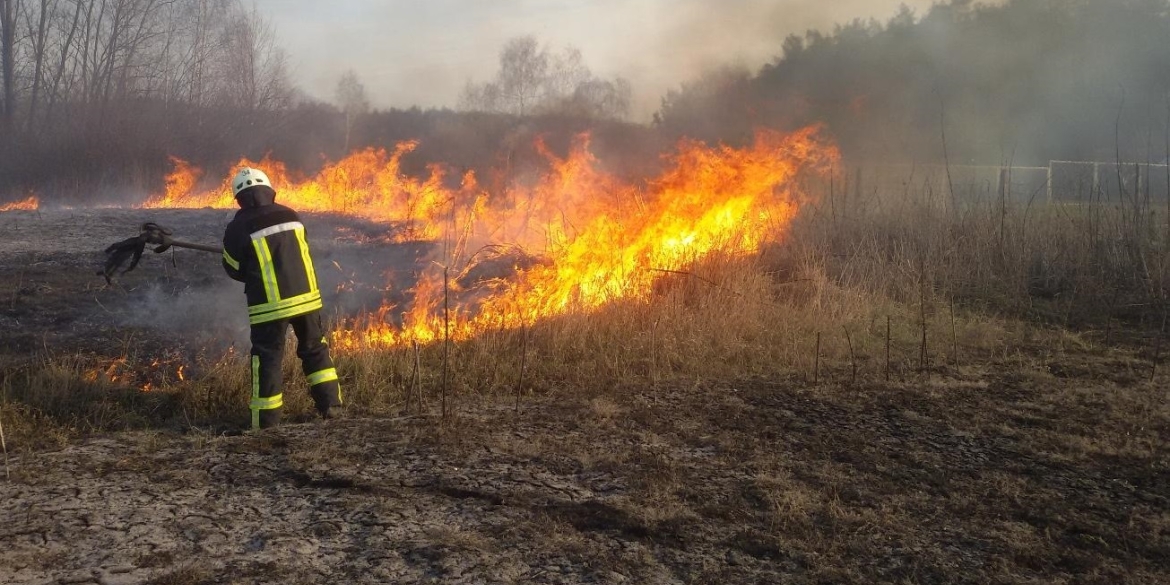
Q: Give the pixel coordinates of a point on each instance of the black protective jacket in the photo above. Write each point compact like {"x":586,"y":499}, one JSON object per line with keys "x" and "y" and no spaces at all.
{"x":264,"y":247}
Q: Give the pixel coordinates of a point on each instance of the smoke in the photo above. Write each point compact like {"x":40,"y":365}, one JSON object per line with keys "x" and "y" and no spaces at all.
{"x":183,"y":296}
{"x":189,"y":301}
{"x":210,"y":317}
{"x":692,"y":37}
{"x":421,"y":54}
{"x":1021,"y":82}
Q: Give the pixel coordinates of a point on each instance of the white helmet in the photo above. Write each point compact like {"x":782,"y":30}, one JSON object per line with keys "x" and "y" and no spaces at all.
{"x":249,"y":177}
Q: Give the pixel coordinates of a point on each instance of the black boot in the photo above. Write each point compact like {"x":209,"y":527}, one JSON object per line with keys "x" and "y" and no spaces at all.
{"x":324,"y":397}
{"x":269,"y":418}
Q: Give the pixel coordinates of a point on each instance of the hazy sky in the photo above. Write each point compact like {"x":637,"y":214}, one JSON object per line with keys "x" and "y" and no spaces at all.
{"x":422,"y":52}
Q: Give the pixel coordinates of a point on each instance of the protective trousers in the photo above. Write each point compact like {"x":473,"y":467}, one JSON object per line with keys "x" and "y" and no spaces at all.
{"x":267,"y":354}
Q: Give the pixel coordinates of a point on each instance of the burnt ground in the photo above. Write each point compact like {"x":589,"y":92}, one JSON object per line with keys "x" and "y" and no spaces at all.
{"x":51,"y":297}
{"x":1037,"y":467}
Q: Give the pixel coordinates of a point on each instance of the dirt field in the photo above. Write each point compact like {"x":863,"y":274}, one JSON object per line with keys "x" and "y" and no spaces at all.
{"x":1048,"y":464}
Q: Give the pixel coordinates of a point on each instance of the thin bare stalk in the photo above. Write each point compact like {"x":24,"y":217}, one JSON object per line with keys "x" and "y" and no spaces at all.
{"x":942,"y":116}
{"x":832,"y":199}
{"x":416,"y":382}
{"x":4,"y":445}
{"x":523,"y":364}
{"x":887,"y":348}
{"x":954,"y":337}
{"x":857,"y":188}
{"x":852,"y":356}
{"x":1004,"y":179}
{"x":922,"y":352}
{"x":654,"y":354}
{"x":1121,"y":191}
{"x":817,"y":361}
{"x":1158,"y":347}
{"x":446,"y":335}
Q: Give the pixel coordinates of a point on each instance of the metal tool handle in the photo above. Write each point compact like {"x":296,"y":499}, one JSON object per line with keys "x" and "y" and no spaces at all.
{"x":157,"y":235}
{"x":202,"y":247}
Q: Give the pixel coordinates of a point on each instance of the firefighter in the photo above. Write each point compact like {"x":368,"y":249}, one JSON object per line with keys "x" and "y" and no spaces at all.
{"x":265,"y":247}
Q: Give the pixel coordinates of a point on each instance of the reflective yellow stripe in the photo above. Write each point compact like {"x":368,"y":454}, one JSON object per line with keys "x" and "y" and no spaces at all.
{"x":259,"y":403}
{"x":285,"y":314}
{"x":276,"y":229}
{"x":269,"y":403}
{"x":326,"y":375}
{"x":309,"y":272}
{"x":307,"y":304}
{"x":267,"y":269}
{"x":284,"y":304}
{"x":230,"y":261}
{"x":255,"y":391}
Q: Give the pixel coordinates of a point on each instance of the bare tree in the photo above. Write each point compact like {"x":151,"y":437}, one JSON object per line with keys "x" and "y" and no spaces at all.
{"x":600,"y":98}
{"x":531,"y":80}
{"x":37,"y":26}
{"x":482,"y":97}
{"x":191,"y":66}
{"x":198,"y":78}
{"x":8,"y":11}
{"x":567,"y":71}
{"x":256,"y":68}
{"x":63,"y":60}
{"x":127,"y":79}
{"x":351,"y":97}
{"x":523,"y":67}
{"x":115,"y":35}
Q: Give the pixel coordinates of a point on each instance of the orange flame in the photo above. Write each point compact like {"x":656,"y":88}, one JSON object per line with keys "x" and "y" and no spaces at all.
{"x":368,"y":184}
{"x":30,"y":203}
{"x":111,"y":372}
{"x":599,"y":238}
{"x":123,"y":371}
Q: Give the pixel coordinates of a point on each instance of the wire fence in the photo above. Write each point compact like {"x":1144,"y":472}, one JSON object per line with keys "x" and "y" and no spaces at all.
{"x":1061,"y":181}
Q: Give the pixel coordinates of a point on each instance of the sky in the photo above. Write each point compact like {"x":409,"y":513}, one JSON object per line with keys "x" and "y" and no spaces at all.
{"x":423,"y":52}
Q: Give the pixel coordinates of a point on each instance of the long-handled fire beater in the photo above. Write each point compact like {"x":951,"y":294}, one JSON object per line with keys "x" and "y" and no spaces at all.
{"x":132,"y":248}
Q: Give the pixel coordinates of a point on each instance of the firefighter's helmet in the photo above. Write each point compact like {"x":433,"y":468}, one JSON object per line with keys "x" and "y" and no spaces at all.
{"x":249,"y":177}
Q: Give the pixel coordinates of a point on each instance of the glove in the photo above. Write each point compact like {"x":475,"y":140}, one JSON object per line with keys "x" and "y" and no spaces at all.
{"x":157,"y":235}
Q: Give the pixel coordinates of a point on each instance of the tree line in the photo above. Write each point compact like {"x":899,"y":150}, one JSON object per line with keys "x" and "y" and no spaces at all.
{"x":1022,"y":81}
{"x":71,"y":60}
{"x":83,"y":81}
{"x":97,"y":95}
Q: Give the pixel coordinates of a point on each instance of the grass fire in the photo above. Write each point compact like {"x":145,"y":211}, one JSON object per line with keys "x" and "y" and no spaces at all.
{"x":30,"y":203}
{"x":881,"y":304}
{"x":598,"y":239}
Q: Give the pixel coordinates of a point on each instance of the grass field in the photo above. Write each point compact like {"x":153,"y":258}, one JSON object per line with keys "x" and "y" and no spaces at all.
{"x":907,"y":391}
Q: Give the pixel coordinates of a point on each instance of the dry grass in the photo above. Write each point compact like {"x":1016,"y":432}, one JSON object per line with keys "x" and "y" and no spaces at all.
{"x":187,"y":575}
{"x":979,"y":283}
{"x":1027,"y":445}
